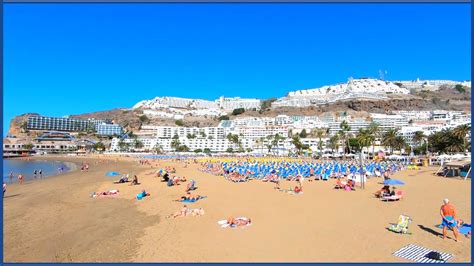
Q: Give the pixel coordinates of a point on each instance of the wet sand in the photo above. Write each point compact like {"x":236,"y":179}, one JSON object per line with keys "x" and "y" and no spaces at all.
{"x":55,"y":220}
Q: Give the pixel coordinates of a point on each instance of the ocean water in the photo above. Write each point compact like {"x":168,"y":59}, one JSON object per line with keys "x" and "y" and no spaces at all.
{"x":26,"y":168}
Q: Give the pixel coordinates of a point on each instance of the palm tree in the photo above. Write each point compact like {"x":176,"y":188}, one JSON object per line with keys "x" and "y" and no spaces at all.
{"x":297,"y":142}
{"x":175,"y":144}
{"x":276,"y":139}
{"x":364,"y":138}
{"x":420,"y":136}
{"x":461,"y":132}
{"x":388,"y":139}
{"x":374,"y":130}
{"x":320,"y":133}
{"x":345,"y":128}
{"x":399,"y":143}
{"x":334,"y":143}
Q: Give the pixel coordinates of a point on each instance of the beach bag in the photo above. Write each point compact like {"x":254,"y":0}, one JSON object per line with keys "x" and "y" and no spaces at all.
{"x":170,"y":183}
{"x":434,"y":256}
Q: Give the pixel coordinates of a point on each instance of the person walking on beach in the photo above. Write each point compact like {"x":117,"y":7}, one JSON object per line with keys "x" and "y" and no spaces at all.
{"x":40,"y":173}
{"x":11,"y":177}
{"x":20,"y":179}
{"x":449,"y":216}
{"x":35,"y":174}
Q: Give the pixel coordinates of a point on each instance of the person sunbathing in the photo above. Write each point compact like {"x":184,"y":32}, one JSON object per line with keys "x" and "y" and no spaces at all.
{"x":238,"y":221}
{"x":143,"y":194}
{"x":188,"y":196}
{"x":185,"y":211}
{"x":339,"y":184}
{"x":123,"y":179}
{"x":105,"y":193}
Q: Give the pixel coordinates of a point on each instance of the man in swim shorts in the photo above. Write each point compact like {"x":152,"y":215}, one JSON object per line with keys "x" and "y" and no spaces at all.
{"x":449,"y":216}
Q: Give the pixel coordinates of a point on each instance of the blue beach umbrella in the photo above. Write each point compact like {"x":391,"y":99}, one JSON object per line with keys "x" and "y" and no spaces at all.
{"x":392,"y":182}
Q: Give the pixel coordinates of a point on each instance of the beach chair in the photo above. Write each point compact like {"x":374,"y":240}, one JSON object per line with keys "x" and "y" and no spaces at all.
{"x":402,"y":226}
{"x":397,"y":196}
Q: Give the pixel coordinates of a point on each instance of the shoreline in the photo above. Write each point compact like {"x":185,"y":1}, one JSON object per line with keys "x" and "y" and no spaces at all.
{"x":71,"y":164}
{"x":123,"y":229}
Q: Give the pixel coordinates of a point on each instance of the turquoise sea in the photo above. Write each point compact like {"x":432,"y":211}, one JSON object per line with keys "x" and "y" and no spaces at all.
{"x":27,"y":168}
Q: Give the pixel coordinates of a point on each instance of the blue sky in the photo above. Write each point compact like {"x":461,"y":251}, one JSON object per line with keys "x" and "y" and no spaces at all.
{"x":77,"y":58}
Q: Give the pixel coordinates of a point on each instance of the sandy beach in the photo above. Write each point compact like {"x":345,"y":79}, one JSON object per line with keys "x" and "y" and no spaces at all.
{"x":55,"y":220}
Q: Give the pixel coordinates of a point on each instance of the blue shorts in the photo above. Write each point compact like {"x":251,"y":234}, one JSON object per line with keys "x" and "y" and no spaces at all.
{"x":449,"y":222}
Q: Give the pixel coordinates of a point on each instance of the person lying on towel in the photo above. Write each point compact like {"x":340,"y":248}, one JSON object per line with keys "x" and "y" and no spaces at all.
{"x":105,"y":193}
{"x":235,"y":222}
{"x":185,"y":211}
{"x":190,"y":197}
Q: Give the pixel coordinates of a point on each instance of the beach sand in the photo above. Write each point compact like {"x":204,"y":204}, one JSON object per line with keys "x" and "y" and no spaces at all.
{"x":55,"y":219}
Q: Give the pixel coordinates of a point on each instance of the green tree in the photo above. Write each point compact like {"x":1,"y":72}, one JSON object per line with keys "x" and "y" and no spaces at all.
{"x":175,"y":144}
{"x":343,"y":134}
{"x":364,"y":138}
{"x":460,"y":88}
{"x":223,"y":117}
{"x":230,"y":150}
{"x":334,"y":143}
{"x":389,"y":139}
{"x":179,"y":122}
{"x":144,"y":119}
{"x":182,"y":148}
{"x":297,"y":143}
{"x":197,"y":150}
{"x":303,"y":134}
{"x":207,"y":150}
{"x":138,"y":144}
{"x":461,"y":132}
{"x":191,"y":136}
{"x":374,"y":130}
{"x":99,"y":146}
{"x":28,"y":146}
{"x":320,"y":134}
{"x":238,"y":111}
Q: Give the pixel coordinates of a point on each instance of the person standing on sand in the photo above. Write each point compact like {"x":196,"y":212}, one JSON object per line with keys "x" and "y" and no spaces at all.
{"x":4,"y":189}
{"x":20,"y":179}
{"x":11,"y":177}
{"x":449,"y":216}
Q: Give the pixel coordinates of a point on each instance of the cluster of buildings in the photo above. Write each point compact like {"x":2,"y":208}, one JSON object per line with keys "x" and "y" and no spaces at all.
{"x":56,"y":134}
{"x":177,"y":108}
{"x":355,"y":88}
{"x":431,"y":85}
{"x":257,"y":134}
{"x":100,"y":127}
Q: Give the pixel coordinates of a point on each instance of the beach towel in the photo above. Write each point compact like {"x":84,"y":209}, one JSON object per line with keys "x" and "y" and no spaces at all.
{"x":418,"y":254}
{"x":465,"y":229}
{"x":224,"y":224}
{"x":191,"y":201}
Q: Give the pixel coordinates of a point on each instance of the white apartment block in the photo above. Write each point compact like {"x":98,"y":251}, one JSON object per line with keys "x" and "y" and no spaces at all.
{"x":387,"y":122}
{"x":215,"y":145}
{"x":182,"y":132}
{"x":236,"y":102}
{"x":254,"y":133}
